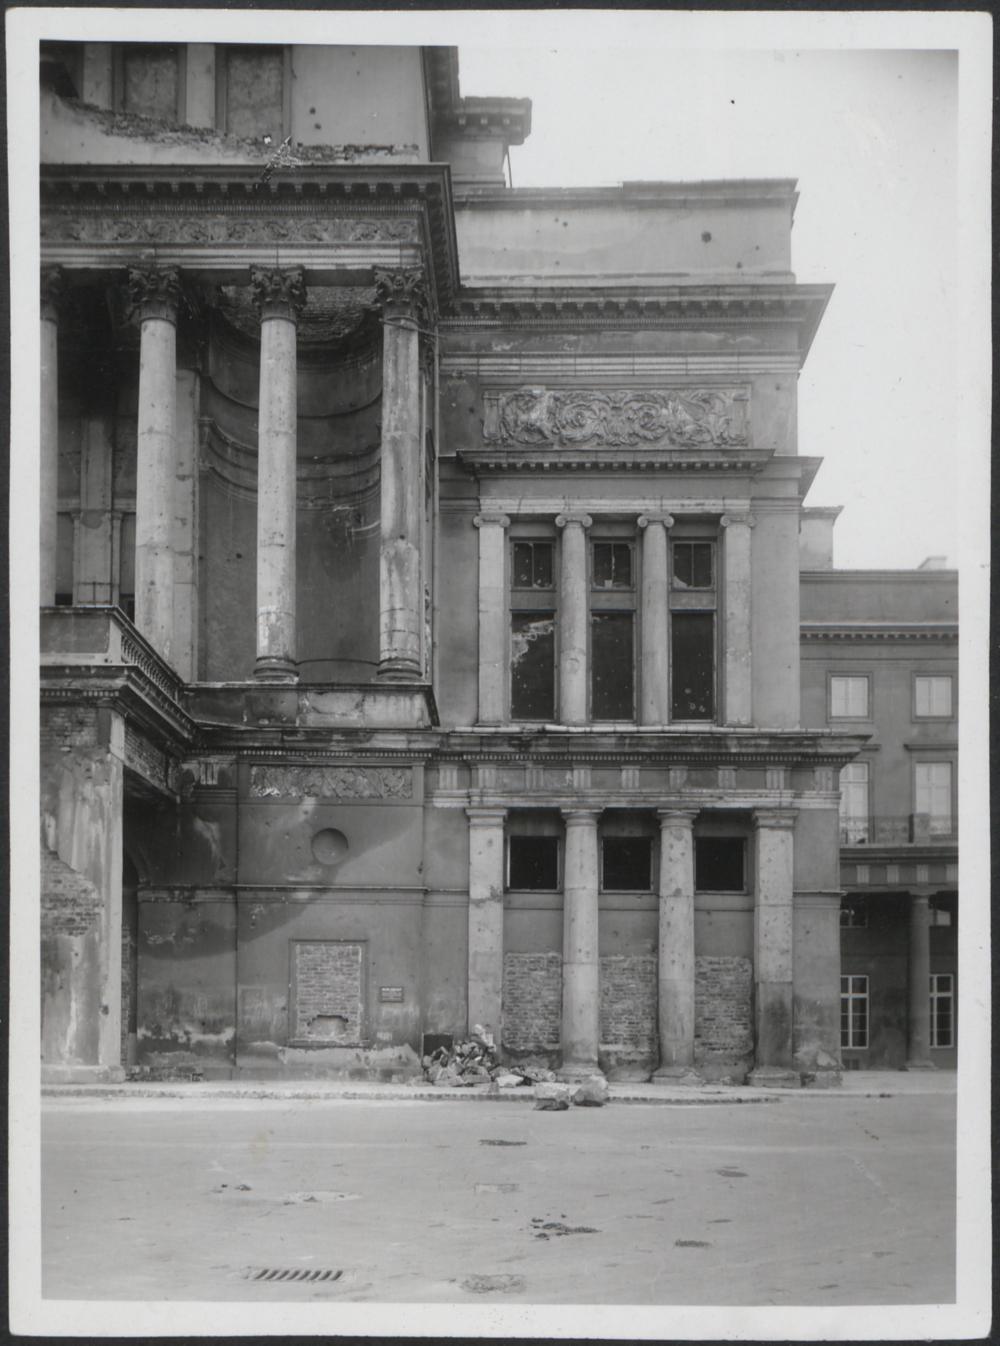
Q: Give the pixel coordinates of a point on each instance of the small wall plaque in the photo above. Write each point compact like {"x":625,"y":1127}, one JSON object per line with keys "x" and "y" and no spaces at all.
{"x":390,"y":995}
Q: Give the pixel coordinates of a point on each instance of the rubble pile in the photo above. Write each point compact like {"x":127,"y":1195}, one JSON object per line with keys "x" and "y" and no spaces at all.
{"x":474,"y":1061}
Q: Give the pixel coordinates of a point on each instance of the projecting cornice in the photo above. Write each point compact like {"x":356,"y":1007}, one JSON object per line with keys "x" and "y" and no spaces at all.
{"x":879,"y":630}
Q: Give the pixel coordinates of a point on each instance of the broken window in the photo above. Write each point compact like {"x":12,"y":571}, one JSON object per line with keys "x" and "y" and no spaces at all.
{"x":719,"y":864}
{"x":692,"y":666}
{"x":533,"y":863}
{"x":612,"y":565}
{"x":532,"y":665}
{"x":693,"y":565}
{"x":148,"y":80}
{"x":532,"y":565}
{"x":251,"y":84}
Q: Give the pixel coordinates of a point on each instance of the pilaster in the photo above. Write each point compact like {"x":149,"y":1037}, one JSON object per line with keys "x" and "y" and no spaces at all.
{"x":492,"y":616}
{"x":573,"y":615}
{"x":581,"y":988}
{"x":486,"y":862}
{"x":654,"y":692}
{"x":737,"y":593}
{"x":676,"y":963}
{"x":773,"y":948}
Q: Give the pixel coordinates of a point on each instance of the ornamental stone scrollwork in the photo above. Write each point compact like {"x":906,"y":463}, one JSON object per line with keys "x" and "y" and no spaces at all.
{"x":154,"y":292}
{"x":53,"y":284}
{"x":402,"y":294}
{"x":62,"y":227}
{"x":277,"y":293}
{"x":330,"y":782}
{"x":619,"y":418}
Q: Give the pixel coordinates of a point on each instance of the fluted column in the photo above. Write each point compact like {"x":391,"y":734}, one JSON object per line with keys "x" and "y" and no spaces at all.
{"x":155,"y":295}
{"x":279,"y":297}
{"x":486,"y":854}
{"x":773,"y":947}
{"x":52,"y":285}
{"x":573,"y":614}
{"x":676,"y":965}
{"x":581,"y":987}
{"x":403,"y":299}
{"x":918,"y":1055}
{"x":492,"y":616}
{"x":738,"y":679}
{"x":654,"y":692}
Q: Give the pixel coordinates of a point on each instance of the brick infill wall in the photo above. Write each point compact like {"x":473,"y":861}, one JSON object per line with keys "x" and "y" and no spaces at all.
{"x":532,"y":1001}
{"x":628,"y":1002}
{"x":723,"y":1008}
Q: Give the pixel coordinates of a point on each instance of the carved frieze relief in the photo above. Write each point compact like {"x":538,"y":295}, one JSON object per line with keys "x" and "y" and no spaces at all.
{"x":617,"y":418}
{"x":330,"y":782}
{"x":121,"y":227}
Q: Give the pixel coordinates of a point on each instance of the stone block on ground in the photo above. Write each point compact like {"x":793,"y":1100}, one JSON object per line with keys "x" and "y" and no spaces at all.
{"x":506,"y":1080}
{"x":551,"y":1097}
{"x":592,"y":1093}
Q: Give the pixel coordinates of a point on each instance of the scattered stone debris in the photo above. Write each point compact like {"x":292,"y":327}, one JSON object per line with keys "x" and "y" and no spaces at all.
{"x":158,"y":1074}
{"x":474,"y":1061}
{"x":485,"y":1285}
{"x":550,"y":1097}
{"x":592,"y":1093}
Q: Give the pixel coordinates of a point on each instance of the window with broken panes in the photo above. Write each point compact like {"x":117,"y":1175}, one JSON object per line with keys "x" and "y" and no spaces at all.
{"x":612,"y":630}
{"x":532,"y":629}
{"x":692,"y":629}
{"x":626,"y":852}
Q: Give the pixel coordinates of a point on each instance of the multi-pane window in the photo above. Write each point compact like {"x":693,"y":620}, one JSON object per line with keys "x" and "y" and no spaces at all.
{"x":719,"y":864}
{"x":692,"y":630}
{"x":612,"y":631}
{"x":932,"y":799}
{"x":853,"y":1011}
{"x":849,"y":697}
{"x":250,"y":85}
{"x":855,"y":822}
{"x":942,"y":1009}
{"x":853,"y":913}
{"x":932,"y":697}
{"x":532,"y":630}
{"x":148,"y":80}
{"x":533,"y":854}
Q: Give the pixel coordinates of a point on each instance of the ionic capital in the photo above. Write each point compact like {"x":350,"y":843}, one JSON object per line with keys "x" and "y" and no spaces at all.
{"x":563,"y":520}
{"x":491,"y":520}
{"x":155,"y":292}
{"x":278,"y":294}
{"x":53,"y":284}
{"x":645,"y":520}
{"x":729,"y":520}
{"x":402,"y":294}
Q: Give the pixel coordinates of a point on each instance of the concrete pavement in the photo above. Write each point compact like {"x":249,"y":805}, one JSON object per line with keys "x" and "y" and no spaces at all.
{"x":816,"y":1198}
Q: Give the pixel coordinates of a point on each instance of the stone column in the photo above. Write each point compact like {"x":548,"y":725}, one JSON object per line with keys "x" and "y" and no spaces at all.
{"x":279,"y":297}
{"x":486,"y":919}
{"x":654,"y":678}
{"x":573,"y":614}
{"x":155,"y":295}
{"x":403,"y":298}
{"x":738,"y":676}
{"x":581,"y":986}
{"x":676,"y":967}
{"x":918,"y":1048}
{"x":48,"y":426}
{"x":492,"y":616}
{"x":773,"y":944}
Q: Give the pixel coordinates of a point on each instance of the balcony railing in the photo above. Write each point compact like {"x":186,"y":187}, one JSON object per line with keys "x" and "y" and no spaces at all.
{"x":913,"y":829}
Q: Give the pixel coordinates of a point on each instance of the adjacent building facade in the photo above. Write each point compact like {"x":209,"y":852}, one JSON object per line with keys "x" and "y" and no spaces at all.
{"x":421,"y":594}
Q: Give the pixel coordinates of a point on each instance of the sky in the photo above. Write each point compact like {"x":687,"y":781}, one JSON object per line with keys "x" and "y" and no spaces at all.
{"x":871,"y":138}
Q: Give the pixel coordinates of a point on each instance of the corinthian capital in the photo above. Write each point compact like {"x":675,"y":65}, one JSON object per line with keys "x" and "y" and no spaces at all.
{"x":278,"y":294}
{"x":402,"y":294}
{"x":155,"y":292}
{"x":52,"y":288}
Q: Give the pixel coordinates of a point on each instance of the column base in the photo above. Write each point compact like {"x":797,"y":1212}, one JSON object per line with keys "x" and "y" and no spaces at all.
{"x":399,"y":670}
{"x":573,"y":1072}
{"x":53,"y":1074}
{"x":272,"y":668}
{"x":686,"y":1076}
{"x":774,"y":1077}
{"x":920,"y":1065}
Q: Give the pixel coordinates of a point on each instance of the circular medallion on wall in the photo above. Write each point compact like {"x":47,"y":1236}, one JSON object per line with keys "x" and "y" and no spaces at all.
{"x":329,"y":846}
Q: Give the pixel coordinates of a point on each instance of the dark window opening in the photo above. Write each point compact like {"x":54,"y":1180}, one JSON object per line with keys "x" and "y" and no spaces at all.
{"x":612,"y":665}
{"x":254,"y":92}
{"x":533,"y":567}
{"x":64,"y":600}
{"x":692,"y":664}
{"x":854,"y":913}
{"x":532,"y":666}
{"x":693,"y":565}
{"x":533,"y":863}
{"x":719,"y":864}
{"x":612,"y":565}
{"x":626,"y":864}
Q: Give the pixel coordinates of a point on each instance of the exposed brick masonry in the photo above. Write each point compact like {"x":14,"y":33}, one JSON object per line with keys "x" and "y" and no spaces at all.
{"x":723,"y":1008}
{"x":532,"y":1001}
{"x":70,"y":904}
{"x":328,"y":986}
{"x":628,"y":1001}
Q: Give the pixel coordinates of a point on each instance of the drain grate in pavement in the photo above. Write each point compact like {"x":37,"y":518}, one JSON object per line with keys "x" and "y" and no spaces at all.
{"x":310,"y":1274}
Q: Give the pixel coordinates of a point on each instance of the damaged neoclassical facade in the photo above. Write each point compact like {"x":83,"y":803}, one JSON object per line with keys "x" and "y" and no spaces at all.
{"x":420,"y":585}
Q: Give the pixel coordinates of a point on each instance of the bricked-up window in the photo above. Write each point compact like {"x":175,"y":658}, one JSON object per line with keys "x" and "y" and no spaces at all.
{"x":327,"y":1004}
{"x":720,"y":864}
{"x":942,"y":1009}
{"x":149,"y":80}
{"x":692,"y":629}
{"x":612,"y":631}
{"x":250,"y":84}
{"x":853,"y":1011}
{"x":532,"y":630}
